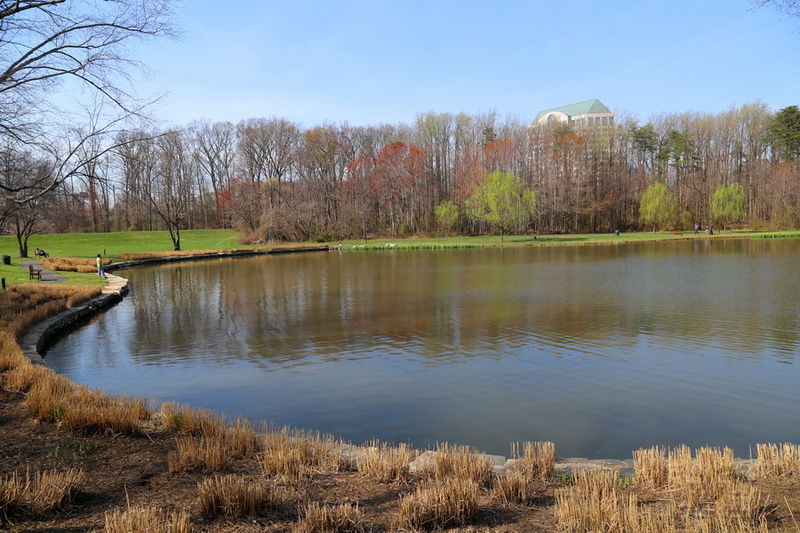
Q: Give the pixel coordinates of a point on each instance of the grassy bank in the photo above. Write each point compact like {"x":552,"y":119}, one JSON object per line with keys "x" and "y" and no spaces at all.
{"x":113,"y":245}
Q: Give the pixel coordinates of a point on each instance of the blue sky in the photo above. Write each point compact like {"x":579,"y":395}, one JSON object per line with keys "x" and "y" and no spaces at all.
{"x":375,"y":62}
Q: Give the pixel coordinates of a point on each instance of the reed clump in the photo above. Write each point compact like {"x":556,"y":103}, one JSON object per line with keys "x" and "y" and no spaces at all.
{"x":321,"y":518}
{"x":54,"y":398}
{"x":297,"y":455}
{"x":72,"y":264}
{"x":695,"y":492}
{"x":11,"y":355}
{"x":25,"y":376}
{"x":439,"y":504}
{"x":777,"y":460}
{"x":460,"y":462}
{"x":208,"y":442}
{"x":651,"y":466}
{"x":136,"y":256}
{"x":596,"y":503}
{"x":146,"y":520}
{"x":38,"y":493}
{"x":535,"y":464}
{"x":22,"y":306}
{"x":197,"y":453}
{"x":384,"y":463}
{"x":236,"y":496}
{"x":191,"y":420}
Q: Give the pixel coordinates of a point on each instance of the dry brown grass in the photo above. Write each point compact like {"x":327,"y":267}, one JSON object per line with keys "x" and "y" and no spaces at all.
{"x":321,"y":518}
{"x":439,"y":504}
{"x":146,"y":520}
{"x":191,"y":420}
{"x":22,"y":306}
{"x":536,"y":463}
{"x":384,"y":463}
{"x":295,"y":455}
{"x":596,"y":503}
{"x":210,"y":442}
{"x":187,"y":253}
{"x":699,"y":493}
{"x":461,"y":462}
{"x":24,"y":376}
{"x":11,"y":355}
{"x":91,"y":410}
{"x":651,"y":466}
{"x":778,"y":460}
{"x":193,"y":453}
{"x":39,"y":493}
{"x":236,"y":496}
{"x":54,"y":398}
{"x":72,"y":264}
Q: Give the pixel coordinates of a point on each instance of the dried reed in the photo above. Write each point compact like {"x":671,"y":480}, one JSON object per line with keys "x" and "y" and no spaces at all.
{"x":195,"y":453}
{"x":38,"y":493}
{"x":296,"y":454}
{"x":596,"y":503}
{"x":778,"y":460}
{"x":146,"y":520}
{"x":191,"y":420}
{"x":22,"y":306}
{"x":72,"y":264}
{"x":461,"y":462}
{"x":236,"y":496}
{"x":48,"y":396}
{"x":384,"y":463}
{"x":651,"y":466}
{"x":439,"y":504}
{"x":536,"y":463}
{"x":11,"y":355}
{"x":320,"y":518}
{"x":25,"y":375}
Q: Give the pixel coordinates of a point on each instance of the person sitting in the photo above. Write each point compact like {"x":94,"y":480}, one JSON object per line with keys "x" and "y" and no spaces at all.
{"x":40,"y":253}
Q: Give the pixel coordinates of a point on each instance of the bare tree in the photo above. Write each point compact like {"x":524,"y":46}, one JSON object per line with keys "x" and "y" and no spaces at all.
{"x":787,"y":7}
{"x":83,"y":45}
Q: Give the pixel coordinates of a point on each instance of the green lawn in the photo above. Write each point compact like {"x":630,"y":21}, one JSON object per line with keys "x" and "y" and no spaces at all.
{"x":113,"y":244}
{"x":528,"y":240}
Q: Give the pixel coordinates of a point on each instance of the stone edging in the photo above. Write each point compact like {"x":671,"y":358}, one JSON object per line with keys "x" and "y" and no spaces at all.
{"x":38,"y":339}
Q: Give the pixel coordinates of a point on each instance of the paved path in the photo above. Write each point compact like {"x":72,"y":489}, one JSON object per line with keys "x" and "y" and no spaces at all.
{"x":115,"y":283}
{"x":48,"y":276}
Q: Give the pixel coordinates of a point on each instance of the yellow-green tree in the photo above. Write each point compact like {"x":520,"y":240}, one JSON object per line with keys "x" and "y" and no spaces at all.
{"x":657,"y":206}
{"x":727,"y":204}
{"x":503,"y":201}
{"x":447,"y":215}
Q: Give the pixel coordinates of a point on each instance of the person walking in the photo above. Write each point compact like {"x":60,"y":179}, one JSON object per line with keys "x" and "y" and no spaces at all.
{"x":100,"y":270}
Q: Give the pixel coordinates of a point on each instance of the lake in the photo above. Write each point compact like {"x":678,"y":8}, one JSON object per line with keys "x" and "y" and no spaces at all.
{"x":599,"y":349}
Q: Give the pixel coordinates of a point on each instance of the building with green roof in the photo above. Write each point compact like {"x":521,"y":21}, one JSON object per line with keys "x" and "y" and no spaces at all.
{"x":591,"y":113}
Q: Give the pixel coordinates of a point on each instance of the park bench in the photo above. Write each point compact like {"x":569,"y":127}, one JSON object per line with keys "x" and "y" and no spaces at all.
{"x":34,"y":273}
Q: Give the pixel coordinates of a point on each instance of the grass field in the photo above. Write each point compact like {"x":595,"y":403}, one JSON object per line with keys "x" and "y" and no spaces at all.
{"x":111,"y":245}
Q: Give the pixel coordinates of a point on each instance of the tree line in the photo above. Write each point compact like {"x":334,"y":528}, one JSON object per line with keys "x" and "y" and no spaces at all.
{"x":278,"y":181}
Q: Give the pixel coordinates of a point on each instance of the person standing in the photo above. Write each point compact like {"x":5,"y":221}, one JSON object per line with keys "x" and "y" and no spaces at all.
{"x":100,"y":270}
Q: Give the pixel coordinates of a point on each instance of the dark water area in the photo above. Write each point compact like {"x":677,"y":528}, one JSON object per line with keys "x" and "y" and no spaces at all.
{"x":600,"y":349}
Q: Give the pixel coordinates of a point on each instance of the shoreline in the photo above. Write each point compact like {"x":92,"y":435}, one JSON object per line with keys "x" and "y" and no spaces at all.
{"x":39,"y":338}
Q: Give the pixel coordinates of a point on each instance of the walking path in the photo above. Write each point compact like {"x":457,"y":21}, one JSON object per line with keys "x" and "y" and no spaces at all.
{"x":35,"y":342}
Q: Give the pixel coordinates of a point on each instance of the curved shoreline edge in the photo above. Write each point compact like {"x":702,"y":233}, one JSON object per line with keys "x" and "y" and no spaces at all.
{"x":40,"y":337}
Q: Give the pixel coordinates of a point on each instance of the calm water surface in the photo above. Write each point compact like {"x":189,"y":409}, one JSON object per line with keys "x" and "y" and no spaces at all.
{"x":600,"y":349}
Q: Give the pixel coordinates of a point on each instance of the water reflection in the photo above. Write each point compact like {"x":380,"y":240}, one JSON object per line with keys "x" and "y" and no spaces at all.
{"x":601,"y":349}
